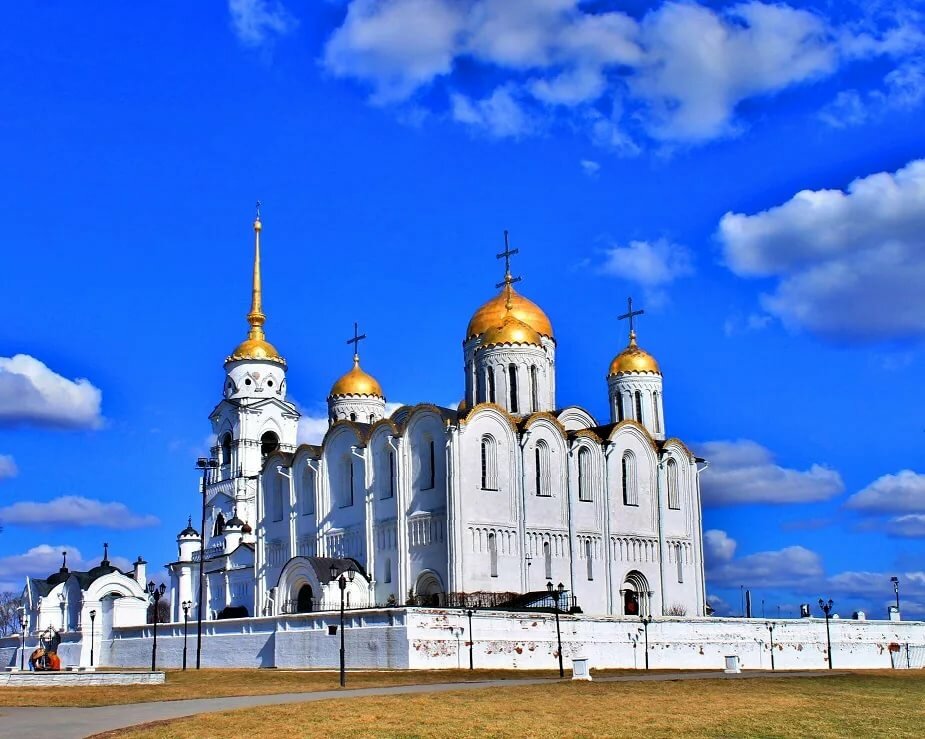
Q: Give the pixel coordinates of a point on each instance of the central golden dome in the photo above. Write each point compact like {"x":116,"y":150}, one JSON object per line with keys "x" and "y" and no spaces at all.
{"x":511,"y":331}
{"x":492,"y":314}
{"x":256,"y":349}
{"x":633,"y":359}
{"x":357,"y":382}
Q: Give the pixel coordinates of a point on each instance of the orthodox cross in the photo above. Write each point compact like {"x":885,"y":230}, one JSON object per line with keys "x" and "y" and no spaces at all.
{"x":64,"y":563}
{"x":506,"y":256}
{"x":357,"y":338}
{"x":258,"y":210}
{"x":105,"y":552}
{"x":630,"y":314}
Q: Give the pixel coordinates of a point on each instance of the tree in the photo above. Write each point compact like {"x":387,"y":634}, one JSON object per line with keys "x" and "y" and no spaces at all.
{"x":10,"y":603}
{"x":163,"y":611}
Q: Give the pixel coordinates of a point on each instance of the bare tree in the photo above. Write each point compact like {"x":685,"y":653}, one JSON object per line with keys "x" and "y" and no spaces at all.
{"x":676,"y":609}
{"x":10,"y":603}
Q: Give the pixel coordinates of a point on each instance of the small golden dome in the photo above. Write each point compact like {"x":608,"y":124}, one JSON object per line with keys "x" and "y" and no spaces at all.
{"x":633,"y":359}
{"x":511,"y":331}
{"x":256,"y":349}
{"x":492,"y":314}
{"x":357,"y":382}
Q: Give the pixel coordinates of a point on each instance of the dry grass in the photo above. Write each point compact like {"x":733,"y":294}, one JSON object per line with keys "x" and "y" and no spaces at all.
{"x":858,"y":705}
{"x":217,"y":683}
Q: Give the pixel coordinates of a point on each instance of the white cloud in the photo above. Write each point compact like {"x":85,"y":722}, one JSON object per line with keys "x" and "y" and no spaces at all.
{"x":743,"y":471}
{"x":909,"y":526}
{"x":72,"y":510}
{"x":903,"y":492}
{"x":257,"y":22}
{"x":31,"y":393}
{"x":719,"y":605}
{"x":45,"y":559}
{"x":787,"y":567}
{"x":718,"y":546}
{"x":681,"y":71}
{"x":590,"y":167}
{"x":650,"y":264}
{"x":8,"y":467}
{"x":849,"y":264}
{"x":499,"y":115}
{"x":313,"y":426}
{"x":735,"y":325}
{"x":903,"y":89}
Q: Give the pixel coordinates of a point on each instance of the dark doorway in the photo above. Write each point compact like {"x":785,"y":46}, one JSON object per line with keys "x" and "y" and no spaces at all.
{"x":304,"y":601}
{"x":630,"y":603}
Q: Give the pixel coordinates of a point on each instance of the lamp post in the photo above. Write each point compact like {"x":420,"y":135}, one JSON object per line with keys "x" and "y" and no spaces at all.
{"x":22,"y":629}
{"x":771,"y":626}
{"x":646,"y":620}
{"x":92,"y":635}
{"x":826,"y":607}
{"x":895,"y":581}
{"x":205,"y":464}
{"x":155,"y":593}
{"x":342,"y":584}
{"x":469,"y":614}
{"x":556,"y":593}
{"x":185,"y":605}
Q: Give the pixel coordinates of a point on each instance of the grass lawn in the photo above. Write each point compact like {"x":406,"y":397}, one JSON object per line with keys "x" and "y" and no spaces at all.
{"x":181,"y":685}
{"x":857,"y":705}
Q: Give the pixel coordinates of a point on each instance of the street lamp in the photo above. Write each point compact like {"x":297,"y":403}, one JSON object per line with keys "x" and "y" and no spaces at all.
{"x":771,"y":625}
{"x":185,"y":605}
{"x":205,"y":464}
{"x":895,"y":581}
{"x":155,"y":593}
{"x":92,"y":640}
{"x":556,"y":593}
{"x":827,"y":610}
{"x":22,"y":629}
{"x":469,"y":614}
{"x":342,"y":583}
{"x":646,"y":620}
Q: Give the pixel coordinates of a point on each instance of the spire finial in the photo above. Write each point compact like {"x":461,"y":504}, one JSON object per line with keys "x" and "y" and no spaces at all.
{"x":105,"y":553}
{"x":630,"y":314}
{"x":189,"y":522}
{"x":64,"y":560}
{"x":256,"y":318}
{"x":357,"y":338}
{"x":509,"y":279}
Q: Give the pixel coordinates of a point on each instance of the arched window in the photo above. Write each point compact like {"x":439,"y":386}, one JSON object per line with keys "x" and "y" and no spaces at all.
{"x":479,"y":387}
{"x":491,"y":384}
{"x":512,"y":373}
{"x":278,"y":498}
{"x":534,"y":389}
{"x":489,"y":463}
{"x":372,"y":417}
{"x":226,"y":448}
{"x":428,"y":465}
{"x":679,"y":556}
{"x":638,"y":398}
{"x":628,"y":476}
{"x":589,"y":556}
{"x":493,"y":554}
{"x":353,"y":416}
{"x":348,"y":483}
{"x":387,"y":570}
{"x":541,"y":471}
{"x":547,"y":559}
{"x":584,"y":474}
{"x":269,"y":443}
{"x":219,"y":525}
{"x":618,"y":400}
{"x":656,"y":418}
{"x":308,"y":491}
{"x":674,"y":497}
{"x":388,"y":487}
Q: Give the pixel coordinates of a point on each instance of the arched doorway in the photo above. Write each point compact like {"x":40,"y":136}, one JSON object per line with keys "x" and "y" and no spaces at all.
{"x":636,"y":595}
{"x":304,"y":600}
{"x":428,"y":590}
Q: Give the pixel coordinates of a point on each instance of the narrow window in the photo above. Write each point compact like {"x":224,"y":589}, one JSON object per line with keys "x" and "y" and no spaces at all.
{"x":353,"y":416}
{"x":372,"y":418}
{"x":547,"y":559}
{"x":219,"y":525}
{"x":541,"y":456}
{"x":619,"y":402}
{"x":491,"y":385}
{"x":278,"y":498}
{"x":428,"y":474}
{"x":638,"y":397}
{"x":589,"y":558}
{"x":493,"y":554}
{"x":680,"y":559}
{"x":630,"y":496}
{"x":390,"y":485}
{"x":512,"y":372}
{"x":387,"y":575}
{"x":226,"y":449}
{"x":674,"y":499}
{"x":538,"y":472}
{"x":348,"y":483}
{"x":489,"y":464}
{"x":584,"y":474}
{"x":657,"y":421}
{"x":534,"y":389}
{"x":308,"y":492}
{"x":269,"y":443}
{"x":480,"y":387}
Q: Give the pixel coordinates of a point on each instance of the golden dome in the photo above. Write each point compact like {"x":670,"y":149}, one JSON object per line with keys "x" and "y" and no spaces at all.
{"x":357,"y":382}
{"x":633,"y":359}
{"x":492,"y":314}
{"x":256,"y":349}
{"x":511,"y":331}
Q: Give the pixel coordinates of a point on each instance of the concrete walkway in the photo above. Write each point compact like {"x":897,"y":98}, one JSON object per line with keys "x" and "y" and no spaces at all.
{"x":81,"y":722}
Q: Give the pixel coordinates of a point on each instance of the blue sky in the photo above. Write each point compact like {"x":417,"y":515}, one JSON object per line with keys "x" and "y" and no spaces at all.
{"x":751,"y":173}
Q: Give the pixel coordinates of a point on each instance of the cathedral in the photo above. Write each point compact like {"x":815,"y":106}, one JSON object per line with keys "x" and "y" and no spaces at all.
{"x":485,"y":503}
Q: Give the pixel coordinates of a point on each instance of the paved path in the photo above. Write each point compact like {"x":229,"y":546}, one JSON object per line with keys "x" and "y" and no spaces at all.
{"x":81,"y":722}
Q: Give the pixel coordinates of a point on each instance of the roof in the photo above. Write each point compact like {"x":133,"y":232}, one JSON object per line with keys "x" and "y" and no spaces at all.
{"x":322,"y":567}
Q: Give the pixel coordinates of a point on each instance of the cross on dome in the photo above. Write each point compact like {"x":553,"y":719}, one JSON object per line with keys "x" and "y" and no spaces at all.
{"x":357,"y":338}
{"x":629,"y":315}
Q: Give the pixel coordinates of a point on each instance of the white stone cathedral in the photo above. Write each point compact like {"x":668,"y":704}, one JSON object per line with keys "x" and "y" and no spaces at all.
{"x":497,"y":497}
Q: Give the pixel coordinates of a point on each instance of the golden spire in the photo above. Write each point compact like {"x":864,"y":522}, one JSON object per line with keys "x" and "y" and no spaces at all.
{"x":256,"y":345}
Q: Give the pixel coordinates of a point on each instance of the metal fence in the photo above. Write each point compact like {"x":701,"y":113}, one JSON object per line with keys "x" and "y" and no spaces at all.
{"x":907,"y":657}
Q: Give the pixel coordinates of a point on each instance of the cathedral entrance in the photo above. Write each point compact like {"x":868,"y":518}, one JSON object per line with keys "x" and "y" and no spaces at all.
{"x":428,"y":590}
{"x":636,"y":595}
{"x":304,"y":600}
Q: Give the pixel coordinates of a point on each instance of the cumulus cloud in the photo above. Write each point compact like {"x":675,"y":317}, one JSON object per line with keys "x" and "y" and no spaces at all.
{"x":73,"y":510}
{"x":787,"y":567}
{"x":43,"y":560}
{"x":903,"y":89}
{"x":257,"y":22}
{"x":314,"y":425}
{"x":903,"y":492}
{"x":590,"y":167}
{"x":8,"y":467}
{"x":651,"y":264}
{"x":677,"y":74}
{"x":718,"y":546}
{"x":743,"y":471}
{"x":848,"y":264}
{"x":31,"y":393}
{"x":910,"y":526}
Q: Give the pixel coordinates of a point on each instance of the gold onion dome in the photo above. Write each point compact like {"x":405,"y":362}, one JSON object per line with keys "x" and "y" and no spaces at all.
{"x":256,"y":346}
{"x":633,"y":359}
{"x":492,"y":314}
{"x":357,"y":382}
{"x":511,"y":331}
